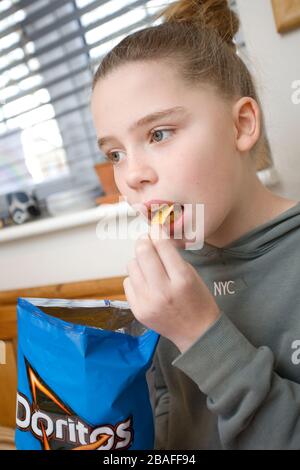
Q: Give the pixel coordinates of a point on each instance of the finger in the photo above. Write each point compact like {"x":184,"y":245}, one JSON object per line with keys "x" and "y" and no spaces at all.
{"x":129,"y":293}
{"x":150,"y":264}
{"x":136,"y":275}
{"x":174,"y":265}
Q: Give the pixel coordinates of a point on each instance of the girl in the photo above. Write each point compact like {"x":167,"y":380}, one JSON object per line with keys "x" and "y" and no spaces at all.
{"x":177,"y":113}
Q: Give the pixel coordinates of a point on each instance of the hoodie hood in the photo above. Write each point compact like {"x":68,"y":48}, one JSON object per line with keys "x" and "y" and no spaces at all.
{"x":257,"y":241}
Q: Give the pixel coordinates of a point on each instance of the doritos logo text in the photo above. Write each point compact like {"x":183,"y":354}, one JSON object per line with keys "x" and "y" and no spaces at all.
{"x":57,"y":427}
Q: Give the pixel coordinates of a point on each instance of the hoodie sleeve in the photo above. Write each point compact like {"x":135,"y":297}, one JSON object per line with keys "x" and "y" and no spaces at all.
{"x":162,"y":404}
{"x":256,"y":408}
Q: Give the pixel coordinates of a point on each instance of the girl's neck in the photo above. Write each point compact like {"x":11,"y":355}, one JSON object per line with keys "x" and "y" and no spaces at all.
{"x":255,"y":206}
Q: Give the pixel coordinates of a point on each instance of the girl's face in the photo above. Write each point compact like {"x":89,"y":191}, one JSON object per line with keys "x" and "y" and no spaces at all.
{"x":187,"y":156}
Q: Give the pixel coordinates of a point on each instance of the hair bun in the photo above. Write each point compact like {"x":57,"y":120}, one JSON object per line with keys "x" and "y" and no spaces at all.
{"x":215,"y":14}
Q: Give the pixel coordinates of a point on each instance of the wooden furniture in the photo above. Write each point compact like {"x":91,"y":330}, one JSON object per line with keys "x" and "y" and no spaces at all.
{"x":109,"y":288}
{"x":286,"y":14}
{"x":105,"y":173}
{"x":7,"y":439}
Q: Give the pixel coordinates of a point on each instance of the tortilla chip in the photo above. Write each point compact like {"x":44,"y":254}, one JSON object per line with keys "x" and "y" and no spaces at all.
{"x":162,"y":214}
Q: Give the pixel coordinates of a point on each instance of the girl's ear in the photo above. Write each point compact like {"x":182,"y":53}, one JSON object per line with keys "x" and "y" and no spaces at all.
{"x":247,"y":123}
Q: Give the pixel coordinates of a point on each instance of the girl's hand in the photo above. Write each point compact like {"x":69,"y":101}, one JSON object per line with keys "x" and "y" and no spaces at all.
{"x":166,"y":294}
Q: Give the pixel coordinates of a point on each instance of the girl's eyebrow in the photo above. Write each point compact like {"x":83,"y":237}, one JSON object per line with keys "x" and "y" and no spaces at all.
{"x":149,"y":119}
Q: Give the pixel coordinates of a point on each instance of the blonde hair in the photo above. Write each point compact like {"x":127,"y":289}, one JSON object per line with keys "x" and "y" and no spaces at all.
{"x":198,"y":36}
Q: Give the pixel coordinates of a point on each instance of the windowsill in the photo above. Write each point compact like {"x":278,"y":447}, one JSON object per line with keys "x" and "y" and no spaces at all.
{"x":65,"y":221}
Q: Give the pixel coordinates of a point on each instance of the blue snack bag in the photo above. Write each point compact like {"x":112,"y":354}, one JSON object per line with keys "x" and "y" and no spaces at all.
{"x":83,"y":376}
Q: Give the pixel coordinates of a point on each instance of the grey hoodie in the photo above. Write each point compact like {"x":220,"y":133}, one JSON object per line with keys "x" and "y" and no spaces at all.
{"x":238,"y":385}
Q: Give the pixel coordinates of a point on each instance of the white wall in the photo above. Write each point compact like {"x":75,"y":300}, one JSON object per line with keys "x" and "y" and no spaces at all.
{"x":70,"y":255}
{"x":70,"y":247}
{"x":275,"y":62}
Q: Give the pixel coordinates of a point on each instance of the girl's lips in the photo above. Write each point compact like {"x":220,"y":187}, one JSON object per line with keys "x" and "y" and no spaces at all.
{"x":157,"y":201}
{"x":153,"y":205}
{"x":176,"y":226}
{"x":171,"y":216}
{"x":149,"y":209}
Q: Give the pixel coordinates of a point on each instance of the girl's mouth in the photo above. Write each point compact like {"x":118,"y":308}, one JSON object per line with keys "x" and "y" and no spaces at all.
{"x":168,"y":215}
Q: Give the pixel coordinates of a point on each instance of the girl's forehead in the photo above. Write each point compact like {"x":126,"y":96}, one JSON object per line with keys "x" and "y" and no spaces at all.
{"x":148,"y":81}
{"x":133,"y":91}
{"x":140,"y":78}
{"x":138,"y":97}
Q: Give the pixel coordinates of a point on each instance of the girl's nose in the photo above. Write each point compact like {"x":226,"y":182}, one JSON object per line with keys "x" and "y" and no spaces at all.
{"x":139,"y":173}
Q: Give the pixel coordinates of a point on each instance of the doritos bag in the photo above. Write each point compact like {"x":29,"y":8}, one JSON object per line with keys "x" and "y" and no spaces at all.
{"x":82,"y":382}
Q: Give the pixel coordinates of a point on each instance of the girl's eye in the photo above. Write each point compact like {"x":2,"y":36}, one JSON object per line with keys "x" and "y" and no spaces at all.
{"x":111,"y":157}
{"x":158,"y":132}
